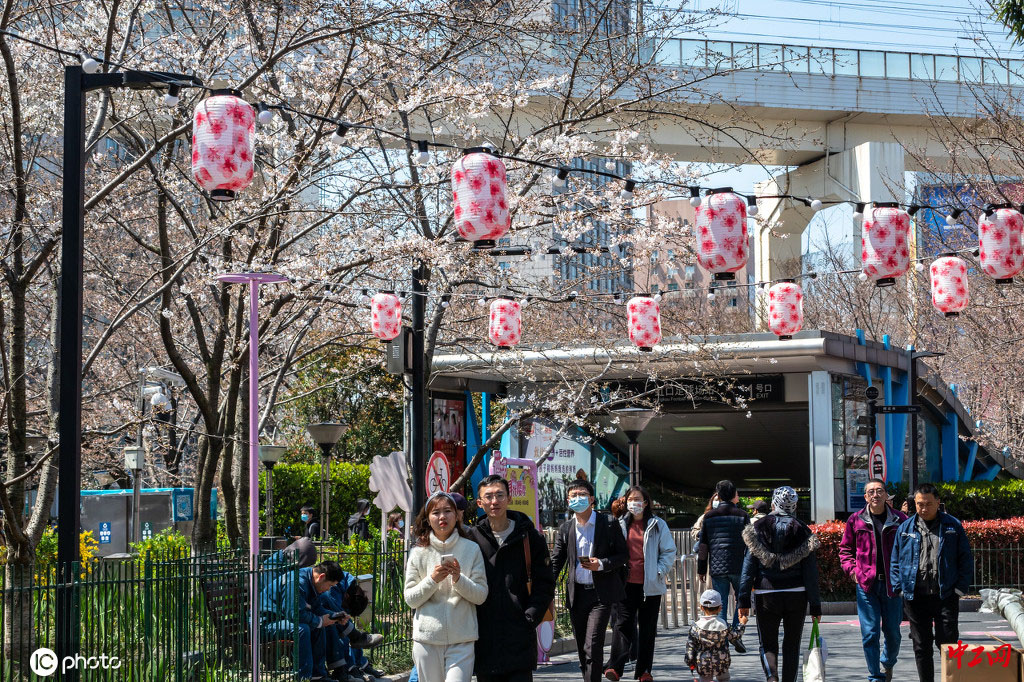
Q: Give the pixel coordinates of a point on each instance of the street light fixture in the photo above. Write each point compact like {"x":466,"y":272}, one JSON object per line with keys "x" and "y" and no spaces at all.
{"x":912,"y":357}
{"x":79,"y":79}
{"x":271,"y":455}
{"x":160,"y":379}
{"x":632,"y":422}
{"x":326,"y":435}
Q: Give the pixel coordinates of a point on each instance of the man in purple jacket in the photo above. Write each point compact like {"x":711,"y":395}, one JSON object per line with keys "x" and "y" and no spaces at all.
{"x":865,"y":552}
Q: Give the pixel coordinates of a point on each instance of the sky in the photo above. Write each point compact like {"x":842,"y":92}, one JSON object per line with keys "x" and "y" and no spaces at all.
{"x":942,"y":27}
{"x":945,"y":26}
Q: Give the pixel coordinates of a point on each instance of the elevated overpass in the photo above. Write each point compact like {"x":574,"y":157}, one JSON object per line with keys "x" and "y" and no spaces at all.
{"x":848,"y":122}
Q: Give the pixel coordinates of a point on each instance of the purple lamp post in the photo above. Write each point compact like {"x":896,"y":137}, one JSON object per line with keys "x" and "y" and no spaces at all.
{"x":254,"y":279}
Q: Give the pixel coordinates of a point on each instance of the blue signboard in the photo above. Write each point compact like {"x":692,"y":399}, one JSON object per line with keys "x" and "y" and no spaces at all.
{"x":104,"y":532}
{"x":183,"y":504}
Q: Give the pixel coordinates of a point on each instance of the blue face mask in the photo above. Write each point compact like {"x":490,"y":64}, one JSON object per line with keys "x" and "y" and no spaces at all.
{"x":305,"y":517}
{"x":579,"y":504}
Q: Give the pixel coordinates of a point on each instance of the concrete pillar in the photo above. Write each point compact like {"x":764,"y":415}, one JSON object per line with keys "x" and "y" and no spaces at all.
{"x":872,"y":171}
{"x":823,"y":483}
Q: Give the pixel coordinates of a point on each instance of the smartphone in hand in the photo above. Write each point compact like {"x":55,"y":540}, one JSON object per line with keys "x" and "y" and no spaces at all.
{"x":447,"y":559}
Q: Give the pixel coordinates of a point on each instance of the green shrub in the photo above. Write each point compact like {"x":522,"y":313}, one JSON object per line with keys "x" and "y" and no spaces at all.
{"x":996,"y":534}
{"x":167,"y":544}
{"x":976,"y":500}
{"x":296,"y":485}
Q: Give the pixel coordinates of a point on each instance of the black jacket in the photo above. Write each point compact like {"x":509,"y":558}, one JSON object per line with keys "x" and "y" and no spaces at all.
{"x":782,"y":556}
{"x":722,"y":533}
{"x":508,"y":619}
{"x":609,"y":546}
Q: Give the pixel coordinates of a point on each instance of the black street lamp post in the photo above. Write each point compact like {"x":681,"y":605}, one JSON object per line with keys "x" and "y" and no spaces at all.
{"x":326,"y":435}
{"x":632,"y":422}
{"x":69,"y":461}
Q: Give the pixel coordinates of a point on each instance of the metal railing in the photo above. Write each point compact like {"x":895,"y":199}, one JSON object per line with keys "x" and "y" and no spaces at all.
{"x":163,"y":617}
{"x":834,"y":61}
{"x":998,"y":567}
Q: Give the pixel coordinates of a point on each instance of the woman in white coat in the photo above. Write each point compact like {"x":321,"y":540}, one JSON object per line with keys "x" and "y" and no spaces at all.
{"x":444,"y":583}
{"x":652,"y":551}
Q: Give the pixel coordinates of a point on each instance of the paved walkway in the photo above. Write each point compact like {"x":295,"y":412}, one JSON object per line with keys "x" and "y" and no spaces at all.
{"x":842,"y":633}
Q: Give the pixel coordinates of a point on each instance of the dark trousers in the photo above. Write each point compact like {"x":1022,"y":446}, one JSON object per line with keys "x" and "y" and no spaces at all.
{"x":790,"y":610}
{"x":933,"y":621}
{"x":635,"y":611}
{"x":589,"y":621}
{"x":515,"y":676}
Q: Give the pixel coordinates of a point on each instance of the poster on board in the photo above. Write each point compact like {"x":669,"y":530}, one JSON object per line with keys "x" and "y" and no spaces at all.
{"x":521,"y":475}
{"x":856,"y":479}
{"x":569,"y":459}
{"x":449,"y":432}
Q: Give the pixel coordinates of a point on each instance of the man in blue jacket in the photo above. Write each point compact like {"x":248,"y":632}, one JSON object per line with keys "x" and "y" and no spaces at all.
{"x":932,"y":567}
{"x":290,"y":608}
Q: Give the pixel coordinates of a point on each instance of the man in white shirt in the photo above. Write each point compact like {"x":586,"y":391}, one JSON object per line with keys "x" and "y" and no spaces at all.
{"x":593,"y":548}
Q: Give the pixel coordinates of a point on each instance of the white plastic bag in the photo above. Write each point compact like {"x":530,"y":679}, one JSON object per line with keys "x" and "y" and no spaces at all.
{"x":814,"y":659}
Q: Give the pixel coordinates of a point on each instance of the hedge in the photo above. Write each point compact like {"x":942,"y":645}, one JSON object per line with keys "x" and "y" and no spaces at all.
{"x":997,"y":534}
{"x":977,"y":500}
{"x":296,"y":485}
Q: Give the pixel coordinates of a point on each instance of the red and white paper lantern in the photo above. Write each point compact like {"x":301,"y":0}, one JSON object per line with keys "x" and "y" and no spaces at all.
{"x":506,"y":327}
{"x":644,"y":320}
{"x":721,"y":234}
{"x":785,"y":309}
{"x":223,"y":145}
{"x":480,"y":198}
{"x":885,"y":252}
{"x":949,"y":285}
{"x":999,"y":238}
{"x":386,"y":316}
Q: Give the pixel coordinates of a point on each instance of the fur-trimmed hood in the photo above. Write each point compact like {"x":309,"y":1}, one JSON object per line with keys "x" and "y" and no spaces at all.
{"x":755,"y":541}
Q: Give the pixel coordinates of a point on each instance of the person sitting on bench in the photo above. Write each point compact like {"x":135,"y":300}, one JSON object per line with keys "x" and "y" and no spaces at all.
{"x":278,"y":602}
{"x":346,"y":661}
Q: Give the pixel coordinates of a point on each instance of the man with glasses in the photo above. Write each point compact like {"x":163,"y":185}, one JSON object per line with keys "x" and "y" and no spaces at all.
{"x":521,"y":587}
{"x":590,"y":545}
{"x":865,"y":552}
{"x":932,"y":567}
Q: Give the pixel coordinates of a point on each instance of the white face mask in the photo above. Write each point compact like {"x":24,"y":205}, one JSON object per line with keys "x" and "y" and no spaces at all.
{"x":714,"y":505}
{"x":635,"y":507}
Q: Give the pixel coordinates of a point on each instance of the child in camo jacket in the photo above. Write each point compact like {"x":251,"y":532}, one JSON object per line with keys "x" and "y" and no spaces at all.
{"x":707,"y":649}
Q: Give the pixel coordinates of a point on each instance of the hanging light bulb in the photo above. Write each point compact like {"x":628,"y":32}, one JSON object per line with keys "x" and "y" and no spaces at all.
{"x":711,"y":295}
{"x":445,"y":304}
{"x":858,"y":212}
{"x":657,"y":297}
{"x":752,"y":206}
{"x":481,"y":301}
{"x":627,"y":190}
{"x":422,"y":153}
{"x":863,"y":276}
{"x":90,"y":65}
{"x":919,"y":266}
{"x":338,"y":136}
{"x":560,"y":179}
{"x":953,"y":216}
{"x":816,"y":205}
{"x":264,"y":114}
{"x":695,"y":196}
{"x":172,"y":96}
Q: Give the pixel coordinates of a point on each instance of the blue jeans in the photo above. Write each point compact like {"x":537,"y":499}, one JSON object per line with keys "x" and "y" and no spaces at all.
{"x":309,"y":645}
{"x":721,"y":584}
{"x":879,"y":613}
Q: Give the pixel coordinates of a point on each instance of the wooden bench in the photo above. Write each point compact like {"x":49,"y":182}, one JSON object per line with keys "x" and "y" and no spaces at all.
{"x":226,"y":593}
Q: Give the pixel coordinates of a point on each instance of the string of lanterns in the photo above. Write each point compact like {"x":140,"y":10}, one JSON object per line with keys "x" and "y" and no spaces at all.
{"x":223,"y":152}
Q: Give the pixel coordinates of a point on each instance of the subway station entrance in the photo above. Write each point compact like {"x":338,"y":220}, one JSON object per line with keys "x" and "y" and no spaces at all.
{"x":762,"y":413}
